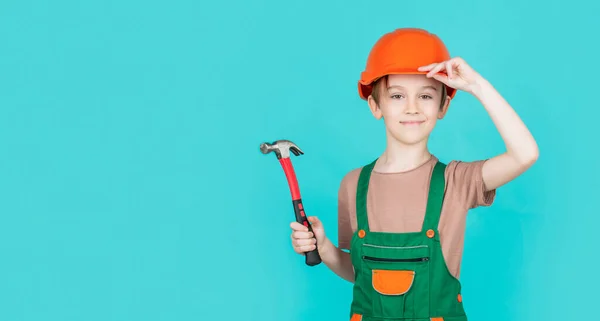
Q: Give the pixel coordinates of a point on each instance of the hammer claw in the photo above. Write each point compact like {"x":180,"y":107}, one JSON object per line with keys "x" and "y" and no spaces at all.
{"x":296,"y":150}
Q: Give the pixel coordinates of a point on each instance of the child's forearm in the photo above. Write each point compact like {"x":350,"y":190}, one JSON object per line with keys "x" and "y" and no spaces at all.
{"x":520,"y":144}
{"x":337,"y":261}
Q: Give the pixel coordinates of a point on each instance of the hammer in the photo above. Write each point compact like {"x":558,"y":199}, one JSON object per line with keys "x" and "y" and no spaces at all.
{"x":282,"y":149}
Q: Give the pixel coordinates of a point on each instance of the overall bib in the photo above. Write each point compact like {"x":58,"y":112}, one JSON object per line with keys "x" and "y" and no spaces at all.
{"x":403,"y":276}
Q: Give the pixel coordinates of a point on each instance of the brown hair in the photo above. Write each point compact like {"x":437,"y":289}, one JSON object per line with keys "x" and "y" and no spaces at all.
{"x":380,"y":84}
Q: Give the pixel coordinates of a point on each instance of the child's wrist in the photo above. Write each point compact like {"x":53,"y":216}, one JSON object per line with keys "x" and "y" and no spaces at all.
{"x":479,"y":87}
{"x":326,"y":249}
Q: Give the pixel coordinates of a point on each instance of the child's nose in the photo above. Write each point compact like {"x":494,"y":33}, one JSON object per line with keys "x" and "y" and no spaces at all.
{"x":412,"y":107}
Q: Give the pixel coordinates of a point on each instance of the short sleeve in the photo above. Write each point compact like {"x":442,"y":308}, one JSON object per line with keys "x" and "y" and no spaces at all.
{"x":466,"y":180}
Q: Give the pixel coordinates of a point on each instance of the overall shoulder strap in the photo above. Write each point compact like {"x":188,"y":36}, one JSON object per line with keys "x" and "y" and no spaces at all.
{"x":435,"y":199}
{"x":361,"y":196}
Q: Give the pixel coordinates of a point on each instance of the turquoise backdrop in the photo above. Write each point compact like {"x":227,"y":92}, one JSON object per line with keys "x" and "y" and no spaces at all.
{"x":132,"y":187}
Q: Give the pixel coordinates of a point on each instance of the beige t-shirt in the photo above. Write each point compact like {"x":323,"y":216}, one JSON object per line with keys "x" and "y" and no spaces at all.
{"x":396,"y":202}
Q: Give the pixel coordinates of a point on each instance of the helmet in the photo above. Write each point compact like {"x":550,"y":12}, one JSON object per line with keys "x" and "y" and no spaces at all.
{"x":402,"y":51}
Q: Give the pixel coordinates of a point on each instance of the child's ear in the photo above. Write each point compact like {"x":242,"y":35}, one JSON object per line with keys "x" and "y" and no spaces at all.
{"x":375,"y":110}
{"x":444,"y":108}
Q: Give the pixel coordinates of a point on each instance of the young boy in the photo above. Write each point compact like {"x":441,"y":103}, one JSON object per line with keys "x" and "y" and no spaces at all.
{"x":402,"y":217}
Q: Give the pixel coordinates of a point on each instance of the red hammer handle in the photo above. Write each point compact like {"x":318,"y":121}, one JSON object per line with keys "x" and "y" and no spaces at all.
{"x":290,"y":174}
{"x":312,"y":258}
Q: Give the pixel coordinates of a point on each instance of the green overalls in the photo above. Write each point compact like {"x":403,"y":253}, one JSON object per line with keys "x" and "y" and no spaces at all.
{"x":403,"y":276}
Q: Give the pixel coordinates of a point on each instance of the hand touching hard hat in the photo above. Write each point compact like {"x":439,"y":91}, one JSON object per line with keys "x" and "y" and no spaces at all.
{"x":457,"y":74}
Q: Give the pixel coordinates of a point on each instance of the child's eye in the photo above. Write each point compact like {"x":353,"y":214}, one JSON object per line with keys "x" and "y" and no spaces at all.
{"x":396,"y":96}
{"x":426,"y":97}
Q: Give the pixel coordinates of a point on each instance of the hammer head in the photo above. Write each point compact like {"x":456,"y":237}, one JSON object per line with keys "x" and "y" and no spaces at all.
{"x":281,"y":148}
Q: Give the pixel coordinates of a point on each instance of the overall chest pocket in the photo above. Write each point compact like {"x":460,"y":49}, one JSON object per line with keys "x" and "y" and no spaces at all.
{"x":397,"y":278}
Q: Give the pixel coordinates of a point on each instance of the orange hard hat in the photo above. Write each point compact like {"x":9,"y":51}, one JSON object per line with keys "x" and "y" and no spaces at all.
{"x":402,"y":51}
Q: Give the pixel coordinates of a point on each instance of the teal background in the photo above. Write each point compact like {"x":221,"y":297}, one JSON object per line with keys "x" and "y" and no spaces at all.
{"x":132,"y":187}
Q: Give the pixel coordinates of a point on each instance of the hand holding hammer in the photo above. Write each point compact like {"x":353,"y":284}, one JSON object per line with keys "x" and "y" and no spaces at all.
{"x":282,"y":149}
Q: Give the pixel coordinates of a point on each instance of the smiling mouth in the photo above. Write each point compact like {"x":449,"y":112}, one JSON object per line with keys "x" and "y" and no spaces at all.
{"x":412,"y":122}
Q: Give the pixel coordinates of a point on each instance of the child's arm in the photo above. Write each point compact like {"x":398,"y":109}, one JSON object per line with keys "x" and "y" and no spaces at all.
{"x":521,"y":148}
{"x":337,"y":260}
{"x":304,"y":241}
{"x":333,"y":256}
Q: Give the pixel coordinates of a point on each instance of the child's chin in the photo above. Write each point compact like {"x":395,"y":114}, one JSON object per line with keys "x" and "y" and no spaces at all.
{"x":410,"y":139}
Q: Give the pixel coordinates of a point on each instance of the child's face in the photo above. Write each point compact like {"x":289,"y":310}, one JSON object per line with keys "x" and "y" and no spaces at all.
{"x":410,"y":107}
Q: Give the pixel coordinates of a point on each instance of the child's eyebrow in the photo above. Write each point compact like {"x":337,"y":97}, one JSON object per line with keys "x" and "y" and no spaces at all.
{"x":395,"y":86}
